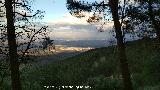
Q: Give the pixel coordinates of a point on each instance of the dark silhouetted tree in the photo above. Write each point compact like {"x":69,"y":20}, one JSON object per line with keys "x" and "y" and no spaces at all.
{"x":13,"y":56}
{"x":20,"y":30}
{"x":146,"y":12}
{"x":47,"y":41}
{"x":100,"y":10}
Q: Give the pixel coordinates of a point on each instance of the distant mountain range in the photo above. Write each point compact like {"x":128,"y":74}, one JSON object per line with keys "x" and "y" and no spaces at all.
{"x":83,"y":43}
{"x":92,"y":43}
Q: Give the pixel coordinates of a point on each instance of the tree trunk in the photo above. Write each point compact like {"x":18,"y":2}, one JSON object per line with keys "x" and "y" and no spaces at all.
{"x":152,"y":18}
{"x":120,"y":44}
{"x":13,"y":57}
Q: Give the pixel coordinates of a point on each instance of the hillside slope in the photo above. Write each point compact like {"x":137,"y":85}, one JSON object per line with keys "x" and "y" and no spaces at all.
{"x":99,"y":69}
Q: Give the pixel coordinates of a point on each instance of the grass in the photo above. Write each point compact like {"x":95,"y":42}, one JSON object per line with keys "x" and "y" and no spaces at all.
{"x":98,"y":69}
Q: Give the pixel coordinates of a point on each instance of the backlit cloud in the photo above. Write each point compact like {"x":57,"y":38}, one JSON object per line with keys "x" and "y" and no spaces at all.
{"x":69,"y":27}
{"x":68,"y":19}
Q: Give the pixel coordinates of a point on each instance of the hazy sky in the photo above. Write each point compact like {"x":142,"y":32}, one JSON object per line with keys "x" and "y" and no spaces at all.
{"x":65,"y":26}
{"x":54,"y":8}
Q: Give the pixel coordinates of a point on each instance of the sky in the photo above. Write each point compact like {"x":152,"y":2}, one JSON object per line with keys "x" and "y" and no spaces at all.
{"x":54,"y":9}
{"x":65,"y":26}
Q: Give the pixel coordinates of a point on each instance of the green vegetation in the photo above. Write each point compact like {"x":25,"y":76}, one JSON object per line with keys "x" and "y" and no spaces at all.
{"x":98,"y":68}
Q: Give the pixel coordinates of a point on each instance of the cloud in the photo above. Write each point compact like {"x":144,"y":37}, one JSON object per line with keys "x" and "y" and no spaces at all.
{"x":68,"y":19}
{"x":69,"y":27}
